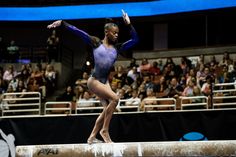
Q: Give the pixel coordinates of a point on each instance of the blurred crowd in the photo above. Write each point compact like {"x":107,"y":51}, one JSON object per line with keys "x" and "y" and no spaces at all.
{"x":139,"y":83}
{"x":29,"y":78}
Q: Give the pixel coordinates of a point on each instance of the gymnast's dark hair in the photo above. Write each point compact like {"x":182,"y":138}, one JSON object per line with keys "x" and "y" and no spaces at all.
{"x":109,"y":23}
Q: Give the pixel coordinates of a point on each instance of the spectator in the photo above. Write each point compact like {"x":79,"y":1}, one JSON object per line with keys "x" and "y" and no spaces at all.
{"x":148,"y":100}
{"x":202,"y":76}
{"x":191,"y":75}
{"x":128,"y":91}
{"x":79,"y":90}
{"x":13,"y":52}
{"x":85,"y":101}
{"x":14,"y":84}
{"x":160,"y":88}
{"x":50,"y":77}
{"x":68,"y":95}
{"x":114,"y":87}
{"x":160,"y":65}
{"x":52,"y":46}
{"x":134,"y":100}
{"x":121,"y":95}
{"x":182,"y":81}
{"x":132,"y":64}
{"x":174,"y":89}
{"x":173,"y":70}
{"x":225,"y":59}
{"x":10,"y":90}
{"x":147,"y":82}
{"x":29,"y":68}
{"x":144,"y":67}
{"x":120,"y":76}
{"x":196,"y":92}
{"x":188,"y":91}
{"x":212,"y":61}
{"x":141,"y":91}
{"x":233,"y":73}
{"x":9,"y":74}
{"x":83,"y":81}
{"x":38,"y":80}
{"x":169,"y":61}
{"x":20,"y":86}
{"x":201,"y":61}
{"x":185,"y":65}
{"x":223,"y":76}
{"x":230,"y":66}
{"x":33,"y":85}
{"x":133,"y":73}
{"x":24,"y":76}
{"x":206,"y":87}
{"x":38,"y":75}
{"x":154,"y":69}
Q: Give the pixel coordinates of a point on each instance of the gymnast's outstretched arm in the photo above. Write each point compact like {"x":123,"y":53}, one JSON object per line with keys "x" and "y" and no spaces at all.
{"x":86,"y":37}
{"x":134,"y":36}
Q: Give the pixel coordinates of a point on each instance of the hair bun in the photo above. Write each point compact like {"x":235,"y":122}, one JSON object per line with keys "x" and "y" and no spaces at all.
{"x":109,"y":20}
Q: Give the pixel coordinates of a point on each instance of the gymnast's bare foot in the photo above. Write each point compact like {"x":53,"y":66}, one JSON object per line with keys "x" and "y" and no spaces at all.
{"x":92,"y":140}
{"x":106,"y":137}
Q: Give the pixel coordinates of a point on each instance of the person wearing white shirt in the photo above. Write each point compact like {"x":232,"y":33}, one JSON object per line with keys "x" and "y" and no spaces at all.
{"x":134,"y":100}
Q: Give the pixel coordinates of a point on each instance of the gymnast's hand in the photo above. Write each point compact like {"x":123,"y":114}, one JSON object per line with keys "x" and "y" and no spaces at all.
{"x":125,"y":17}
{"x":55,"y":24}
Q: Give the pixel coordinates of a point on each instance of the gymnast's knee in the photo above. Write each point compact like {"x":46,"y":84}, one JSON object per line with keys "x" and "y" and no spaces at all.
{"x":115,"y":100}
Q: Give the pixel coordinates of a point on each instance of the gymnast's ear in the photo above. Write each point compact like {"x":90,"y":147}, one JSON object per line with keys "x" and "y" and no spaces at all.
{"x":105,"y":31}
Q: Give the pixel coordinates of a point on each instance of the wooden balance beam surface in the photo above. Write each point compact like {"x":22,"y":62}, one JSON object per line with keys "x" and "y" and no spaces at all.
{"x":178,"y":148}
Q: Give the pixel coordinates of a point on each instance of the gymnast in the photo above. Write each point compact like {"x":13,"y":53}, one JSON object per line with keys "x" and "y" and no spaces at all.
{"x":105,"y":54}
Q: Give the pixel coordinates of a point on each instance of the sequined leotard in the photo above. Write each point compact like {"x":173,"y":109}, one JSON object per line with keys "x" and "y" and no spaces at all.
{"x":104,"y":57}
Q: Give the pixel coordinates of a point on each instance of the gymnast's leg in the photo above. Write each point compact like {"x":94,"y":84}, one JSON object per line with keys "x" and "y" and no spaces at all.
{"x":104,"y":91}
{"x":98,"y":125}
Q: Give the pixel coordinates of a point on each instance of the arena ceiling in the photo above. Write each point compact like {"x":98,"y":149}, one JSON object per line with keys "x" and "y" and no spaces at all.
{"x":103,"y":10}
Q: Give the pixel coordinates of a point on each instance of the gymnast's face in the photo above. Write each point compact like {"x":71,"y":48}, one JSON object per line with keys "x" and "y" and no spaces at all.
{"x":112,"y":34}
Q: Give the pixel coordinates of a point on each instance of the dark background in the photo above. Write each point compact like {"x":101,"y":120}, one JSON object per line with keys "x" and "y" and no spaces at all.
{"x":140,"y":127}
{"x":196,"y":29}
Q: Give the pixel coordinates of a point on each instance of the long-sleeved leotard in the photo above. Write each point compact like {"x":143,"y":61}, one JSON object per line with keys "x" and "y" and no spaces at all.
{"x":104,"y":57}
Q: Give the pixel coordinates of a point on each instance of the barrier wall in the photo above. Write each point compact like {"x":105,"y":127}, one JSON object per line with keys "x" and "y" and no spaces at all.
{"x":138,"y":127}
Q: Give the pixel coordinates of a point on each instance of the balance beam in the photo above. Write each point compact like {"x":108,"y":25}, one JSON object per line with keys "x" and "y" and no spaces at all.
{"x":178,"y":148}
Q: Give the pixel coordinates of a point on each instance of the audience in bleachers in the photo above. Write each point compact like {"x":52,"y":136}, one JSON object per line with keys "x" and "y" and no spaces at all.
{"x":169,"y":80}
{"x":135,"y":83}
{"x":37,"y":80}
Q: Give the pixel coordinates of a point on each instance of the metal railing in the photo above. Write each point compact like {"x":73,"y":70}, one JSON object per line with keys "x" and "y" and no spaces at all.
{"x":170,"y":103}
{"x":190,"y":103}
{"x":29,"y":104}
{"x":222,"y":85}
{"x":89,"y":109}
{"x":52,"y":108}
{"x":224,"y":97}
{"x":98,"y":107}
{"x":125,"y":107}
{"x":21,"y":103}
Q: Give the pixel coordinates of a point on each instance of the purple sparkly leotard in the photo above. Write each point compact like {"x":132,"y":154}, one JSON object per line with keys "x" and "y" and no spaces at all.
{"x":104,"y":57}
